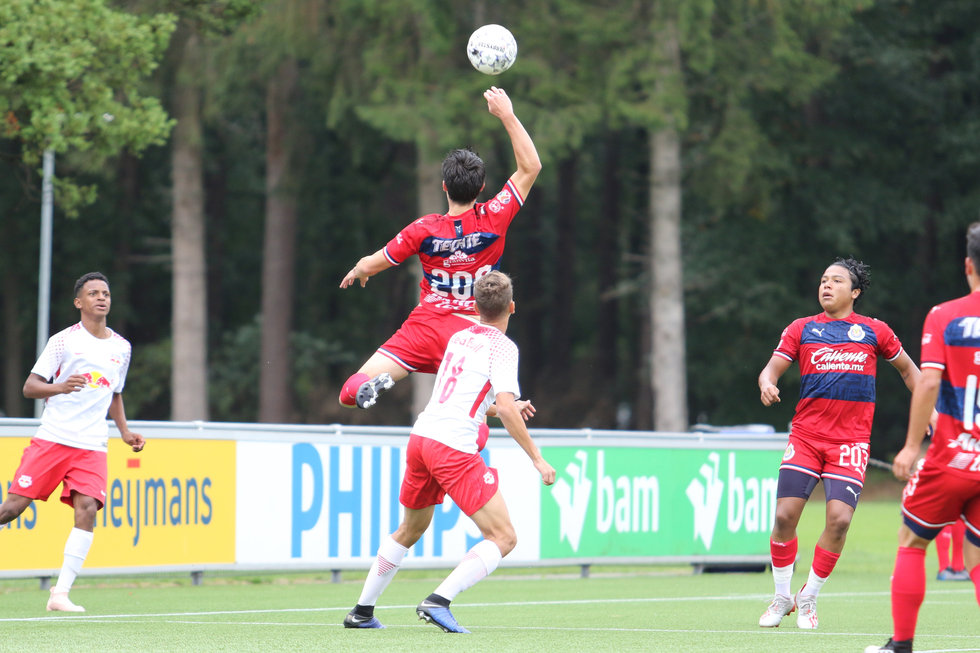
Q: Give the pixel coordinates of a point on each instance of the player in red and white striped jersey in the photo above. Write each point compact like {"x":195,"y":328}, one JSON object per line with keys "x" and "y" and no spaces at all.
{"x":455,"y":250}
{"x":945,"y":486}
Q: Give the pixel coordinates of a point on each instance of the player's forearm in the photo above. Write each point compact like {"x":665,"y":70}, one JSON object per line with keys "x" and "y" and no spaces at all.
{"x":514,"y":423}
{"x":117,"y":413}
{"x":370,"y":265}
{"x":923,"y":402}
{"x":526,"y":155}
{"x":37,"y":388}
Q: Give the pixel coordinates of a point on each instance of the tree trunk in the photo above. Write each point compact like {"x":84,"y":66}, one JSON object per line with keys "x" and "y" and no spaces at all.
{"x":668,"y":374}
{"x":431,"y":199}
{"x":563,"y":310}
{"x":189,"y":383}
{"x":279,"y":250}
{"x":10,"y":302}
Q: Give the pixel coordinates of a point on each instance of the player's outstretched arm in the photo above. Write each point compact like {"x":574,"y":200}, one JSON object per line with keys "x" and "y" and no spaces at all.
{"x":528,"y":162}
{"x":774,"y":369}
{"x":117,"y":411}
{"x":366,"y":268}
{"x":510,"y":415}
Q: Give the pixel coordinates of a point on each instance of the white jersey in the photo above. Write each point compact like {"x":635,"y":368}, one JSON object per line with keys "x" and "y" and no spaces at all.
{"x":479,"y":362}
{"x":78,"y":419}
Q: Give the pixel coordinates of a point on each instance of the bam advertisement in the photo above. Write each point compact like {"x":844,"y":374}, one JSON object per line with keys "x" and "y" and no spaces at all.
{"x":639,"y":502}
{"x":173,"y":503}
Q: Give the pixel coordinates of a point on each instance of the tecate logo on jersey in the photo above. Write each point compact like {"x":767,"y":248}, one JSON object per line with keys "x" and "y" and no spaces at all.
{"x":827,"y":359}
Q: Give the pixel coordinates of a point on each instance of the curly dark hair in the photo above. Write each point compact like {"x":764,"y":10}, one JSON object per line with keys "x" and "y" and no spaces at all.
{"x":860,"y":273}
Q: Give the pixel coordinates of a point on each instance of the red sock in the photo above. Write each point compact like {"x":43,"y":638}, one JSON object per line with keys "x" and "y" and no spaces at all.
{"x":908,"y":590}
{"x":942,"y":546}
{"x":823,"y":561}
{"x":959,"y":532}
{"x":783,"y":553}
{"x":975,"y":577}
{"x":348,"y":393}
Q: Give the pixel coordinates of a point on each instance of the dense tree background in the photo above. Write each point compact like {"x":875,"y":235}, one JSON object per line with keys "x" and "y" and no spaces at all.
{"x":807,"y":130}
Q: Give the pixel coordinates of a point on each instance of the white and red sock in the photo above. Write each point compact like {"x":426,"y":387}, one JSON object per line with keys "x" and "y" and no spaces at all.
{"x":383,"y":569}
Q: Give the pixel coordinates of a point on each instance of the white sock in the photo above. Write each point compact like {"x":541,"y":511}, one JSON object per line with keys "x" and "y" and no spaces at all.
{"x":383,"y":569}
{"x":478,"y":563}
{"x":813,"y":584}
{"x":783,"y":577}
{"x":76,"y":550}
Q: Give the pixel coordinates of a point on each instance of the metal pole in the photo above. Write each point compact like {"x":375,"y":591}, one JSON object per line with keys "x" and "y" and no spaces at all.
{"x":44,"y":266}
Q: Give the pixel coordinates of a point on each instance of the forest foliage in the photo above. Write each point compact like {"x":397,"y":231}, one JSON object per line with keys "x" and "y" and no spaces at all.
{"x":811,"y":130}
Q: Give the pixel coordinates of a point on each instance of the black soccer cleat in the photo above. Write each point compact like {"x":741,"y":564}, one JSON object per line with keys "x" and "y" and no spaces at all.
{"x":904,"y":646}
{"x":353,"y":620}
{"x":368,"y":393}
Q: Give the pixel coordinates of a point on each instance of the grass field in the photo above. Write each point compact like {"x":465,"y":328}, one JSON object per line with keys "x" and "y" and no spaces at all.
{"x":541,"y":609}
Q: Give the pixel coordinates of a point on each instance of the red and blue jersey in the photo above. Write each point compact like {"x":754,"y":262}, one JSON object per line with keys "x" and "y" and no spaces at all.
{"x":838,"y":361}
{"x":457,"y":250}
{"x":951,"y":343}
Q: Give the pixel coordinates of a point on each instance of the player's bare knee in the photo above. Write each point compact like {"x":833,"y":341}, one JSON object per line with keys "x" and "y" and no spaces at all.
{"x":505,"y":539}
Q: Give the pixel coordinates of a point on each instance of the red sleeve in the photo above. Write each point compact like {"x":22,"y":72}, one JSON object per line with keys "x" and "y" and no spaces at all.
{"x":789,"y":341}
{"x":888,"y":343}
{"x":406,"y":242}
{"x":502,"y":207}
{"x":933,"y":341}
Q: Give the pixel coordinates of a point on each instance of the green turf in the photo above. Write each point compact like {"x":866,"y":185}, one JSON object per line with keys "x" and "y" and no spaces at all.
{"x":541,"y":609}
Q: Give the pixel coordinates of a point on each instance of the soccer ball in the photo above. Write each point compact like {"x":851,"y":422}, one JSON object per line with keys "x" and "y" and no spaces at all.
{"x":492,"y":49}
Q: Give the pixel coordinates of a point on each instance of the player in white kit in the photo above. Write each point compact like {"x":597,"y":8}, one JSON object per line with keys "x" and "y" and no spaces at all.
{"x":478,"y":369}
{"x":80,"y":374}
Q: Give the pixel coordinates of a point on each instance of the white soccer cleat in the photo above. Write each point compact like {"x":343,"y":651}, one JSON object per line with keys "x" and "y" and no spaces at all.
{"x":780,"y":607}
{"x":806,"y":617}
{"x":59,"y":602}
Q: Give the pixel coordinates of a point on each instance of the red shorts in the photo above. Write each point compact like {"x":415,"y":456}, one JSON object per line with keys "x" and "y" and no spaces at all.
{"x":433,"y":470}
{"x":933,"y":498}
{"x":418,"y":346}
{"x":841,"y":461}
{"x":45,"y":464}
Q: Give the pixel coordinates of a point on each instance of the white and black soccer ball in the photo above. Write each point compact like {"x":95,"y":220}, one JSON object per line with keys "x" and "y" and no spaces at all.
{"x":492,"y":49}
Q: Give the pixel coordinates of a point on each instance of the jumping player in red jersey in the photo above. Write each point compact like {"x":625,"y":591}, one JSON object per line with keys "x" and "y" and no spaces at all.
{"x":478,"y":369}
{"x":829,"y":439}
{"x":945,"y":486}
{"x":455,"y":250}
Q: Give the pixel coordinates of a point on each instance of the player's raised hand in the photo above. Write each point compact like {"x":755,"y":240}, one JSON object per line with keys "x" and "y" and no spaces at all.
{"x":498,"y":103}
